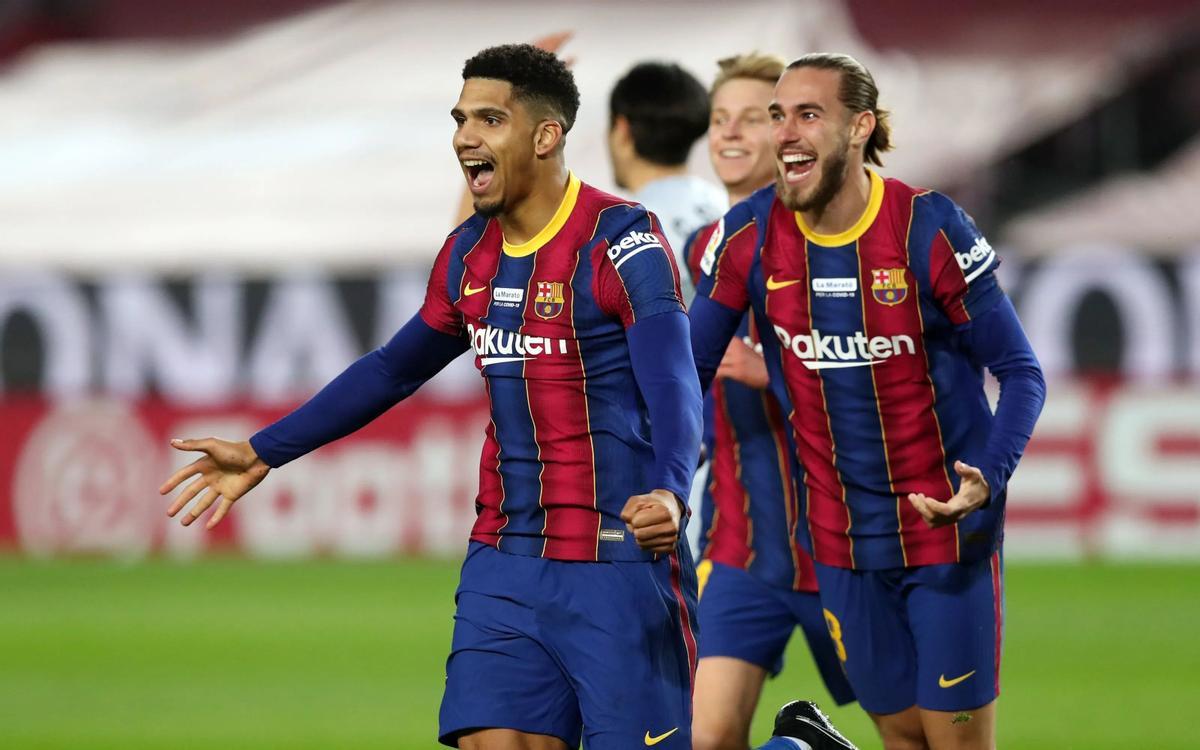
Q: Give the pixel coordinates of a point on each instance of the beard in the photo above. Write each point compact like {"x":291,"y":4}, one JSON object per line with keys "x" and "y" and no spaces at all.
{"x":833,"y":176}
{"x":489,"y":209}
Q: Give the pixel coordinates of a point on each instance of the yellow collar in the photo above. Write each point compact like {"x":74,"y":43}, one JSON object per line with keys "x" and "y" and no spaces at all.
{"x":556,"y":222}
{"x":874,"y":201}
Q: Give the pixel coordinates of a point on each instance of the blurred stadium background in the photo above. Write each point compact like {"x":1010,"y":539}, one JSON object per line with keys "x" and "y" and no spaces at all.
{"x":207,"y":209}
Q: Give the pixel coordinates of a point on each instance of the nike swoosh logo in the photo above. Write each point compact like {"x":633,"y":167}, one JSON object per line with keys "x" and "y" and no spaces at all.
{"x":829,"y":364}
{"x":501,"y":360}
{"x":469,"y":291}
{"x":943,"y":682}
{"x":772,"y":284}
{"x":655,"y":740}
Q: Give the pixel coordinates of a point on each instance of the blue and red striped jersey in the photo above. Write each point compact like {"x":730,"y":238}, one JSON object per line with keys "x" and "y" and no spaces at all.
{"x":751,"y":509}
{"x":569,"y":437}
{"x":883,"y":396}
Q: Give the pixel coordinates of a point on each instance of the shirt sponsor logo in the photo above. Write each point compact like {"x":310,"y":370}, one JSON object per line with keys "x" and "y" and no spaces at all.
{"x":840,"y":287}
{"x":630,"y":245}
{"x":496,"y":346}
{"x":820,"y":352}
{"x":980,"y":256}
{"x":889,"y":286}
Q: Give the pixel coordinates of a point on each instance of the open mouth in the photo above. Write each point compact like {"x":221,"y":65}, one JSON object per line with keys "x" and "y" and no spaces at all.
{"x":479,"y":174}
{"x":733,"y":153}
{"x":797,"y":166}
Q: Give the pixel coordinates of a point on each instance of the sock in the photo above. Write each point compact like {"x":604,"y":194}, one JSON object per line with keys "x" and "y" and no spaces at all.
{"x":785,"y":743}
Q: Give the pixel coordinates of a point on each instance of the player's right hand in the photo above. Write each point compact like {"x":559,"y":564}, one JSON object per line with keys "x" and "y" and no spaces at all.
{"x":227,"y":470}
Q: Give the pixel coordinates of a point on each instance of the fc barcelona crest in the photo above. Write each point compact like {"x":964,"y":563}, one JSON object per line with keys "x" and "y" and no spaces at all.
{"x":888,"y":285}
{"x":549,"y":300}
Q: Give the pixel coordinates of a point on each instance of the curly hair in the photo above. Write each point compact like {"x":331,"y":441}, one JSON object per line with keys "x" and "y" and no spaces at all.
{"x":539,"y":80}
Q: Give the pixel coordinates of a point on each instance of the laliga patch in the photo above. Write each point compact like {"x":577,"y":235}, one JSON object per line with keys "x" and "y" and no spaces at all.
{"x":888,"y":286}
{"x":549,"y":300}
{"x":710,"y":250}
{"x":840,"y":287}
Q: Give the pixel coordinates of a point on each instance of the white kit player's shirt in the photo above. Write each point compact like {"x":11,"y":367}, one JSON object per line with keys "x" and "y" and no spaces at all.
{"x":683,"y":204}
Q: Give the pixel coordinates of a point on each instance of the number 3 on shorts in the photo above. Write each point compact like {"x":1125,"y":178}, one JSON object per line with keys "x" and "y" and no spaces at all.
{"x":835,"y":632}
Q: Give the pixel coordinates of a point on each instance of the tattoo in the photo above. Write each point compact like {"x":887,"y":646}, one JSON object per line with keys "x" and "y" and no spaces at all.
{"x":962,"y":717}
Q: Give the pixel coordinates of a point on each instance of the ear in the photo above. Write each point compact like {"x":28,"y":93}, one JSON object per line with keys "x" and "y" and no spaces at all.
{"x":861,"y":127}
{"x":547,"y":137}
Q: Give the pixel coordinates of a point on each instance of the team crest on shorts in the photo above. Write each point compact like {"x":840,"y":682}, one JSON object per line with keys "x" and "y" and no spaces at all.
{"x":888,"y":285}
{"x":549,"y":300}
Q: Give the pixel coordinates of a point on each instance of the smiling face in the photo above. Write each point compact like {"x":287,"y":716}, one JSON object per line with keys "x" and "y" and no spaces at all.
{"x":495,"y":141}
{"x":739,"y":135}
{"x":814,"y":138}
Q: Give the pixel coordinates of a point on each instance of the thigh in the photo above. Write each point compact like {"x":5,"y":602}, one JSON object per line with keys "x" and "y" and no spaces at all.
{"x":957,"y":616}
{"x":866,"y":618}
{"x":508,"y":739}
{"x":743,"y":618}
{"x":808,"y":614}
{"x":727,"y":692}
{"x":624,"y":632}
{"x":500,"y":675}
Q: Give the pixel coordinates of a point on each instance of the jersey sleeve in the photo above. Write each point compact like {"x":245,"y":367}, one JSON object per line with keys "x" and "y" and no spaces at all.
{"x":636,"y":274}
{"x":693,"y":250}
{"x":725,"y":262}
{"x":962,"y":265}
{"x":438,"y":310}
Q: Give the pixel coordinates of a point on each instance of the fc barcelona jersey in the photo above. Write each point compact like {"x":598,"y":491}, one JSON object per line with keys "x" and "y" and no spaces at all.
{"x":569,"y":438}
{"x":751,"y":509}
{"x":883,"y":396}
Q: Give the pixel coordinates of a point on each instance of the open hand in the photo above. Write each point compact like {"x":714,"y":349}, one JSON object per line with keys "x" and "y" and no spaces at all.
{"x":973,"y":492}
{"x":653,"y":519}
{"x":227,"y":470}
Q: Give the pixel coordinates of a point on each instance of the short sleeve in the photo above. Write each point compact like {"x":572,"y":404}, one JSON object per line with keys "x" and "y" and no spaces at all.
{"x":725,"y":262}
{"x":962,"y":266}
{"x":694,"y":247}
{"x":438,"y":310}
{"x":636,"y":274}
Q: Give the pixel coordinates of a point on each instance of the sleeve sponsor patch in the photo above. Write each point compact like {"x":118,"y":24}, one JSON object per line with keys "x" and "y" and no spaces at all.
{"x":976,"y":260}
{"x":630,"y":245}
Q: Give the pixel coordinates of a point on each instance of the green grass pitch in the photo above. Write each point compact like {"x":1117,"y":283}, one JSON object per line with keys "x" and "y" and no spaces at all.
{"x":227,"y":653}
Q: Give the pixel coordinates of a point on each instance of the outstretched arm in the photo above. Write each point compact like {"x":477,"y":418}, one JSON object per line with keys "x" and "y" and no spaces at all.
{"x":366,"y":389}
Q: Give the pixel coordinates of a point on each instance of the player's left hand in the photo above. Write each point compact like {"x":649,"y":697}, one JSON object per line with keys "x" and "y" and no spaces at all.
{"x":973,"y":492}
{"x":744,"y":363}
{"x":653,"y":519}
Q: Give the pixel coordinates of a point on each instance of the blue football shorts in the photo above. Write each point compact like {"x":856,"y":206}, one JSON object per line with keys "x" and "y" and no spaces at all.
{"x":600,"y":650}
{"x":928,"y":636}
{"x":743,"y":618}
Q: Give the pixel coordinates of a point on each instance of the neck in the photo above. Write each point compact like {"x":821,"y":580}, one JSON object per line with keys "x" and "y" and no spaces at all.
{"x":536,"y":209}
{"x":739,"y":193}
{"x":639,"y":173}
{"x":847,"y":205}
